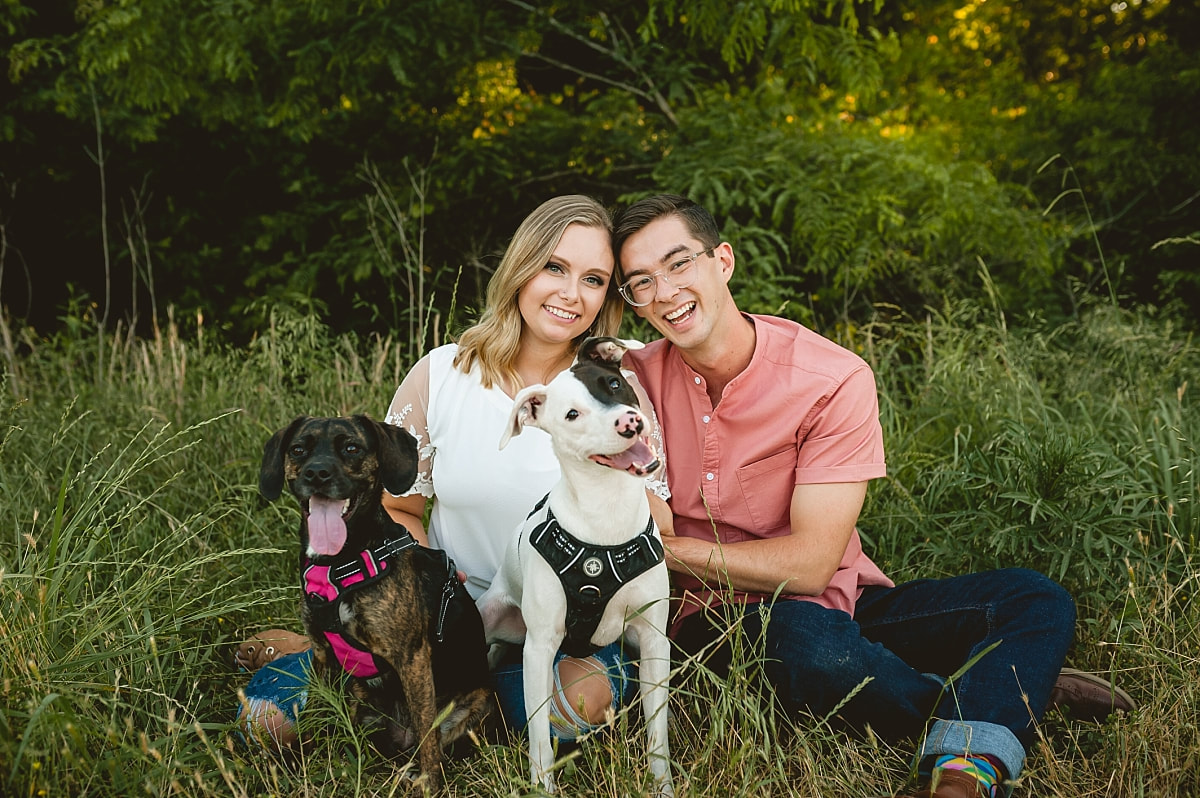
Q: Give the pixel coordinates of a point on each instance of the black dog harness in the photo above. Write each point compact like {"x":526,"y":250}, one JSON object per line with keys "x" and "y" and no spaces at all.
{"x":326,"y":585}
{"x":590,"y":574}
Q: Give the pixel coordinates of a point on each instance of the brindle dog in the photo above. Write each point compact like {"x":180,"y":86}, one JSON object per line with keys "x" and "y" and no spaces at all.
{"x":389,"y":613}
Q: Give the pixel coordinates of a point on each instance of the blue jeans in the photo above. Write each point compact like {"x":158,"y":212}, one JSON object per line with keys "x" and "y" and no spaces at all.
{"x":509,"y":681}
{"x":908,"y":640}
{"x":283,"y":685}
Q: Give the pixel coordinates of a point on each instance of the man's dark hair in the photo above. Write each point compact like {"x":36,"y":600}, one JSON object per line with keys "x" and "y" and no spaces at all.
{"x":699,"y":221}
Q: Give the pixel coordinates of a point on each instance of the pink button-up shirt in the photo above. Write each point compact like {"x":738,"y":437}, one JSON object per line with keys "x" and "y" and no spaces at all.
{"x":804,"y":411}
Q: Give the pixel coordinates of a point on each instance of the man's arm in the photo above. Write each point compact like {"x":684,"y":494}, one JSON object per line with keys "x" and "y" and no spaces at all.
{"x":822,"y":519}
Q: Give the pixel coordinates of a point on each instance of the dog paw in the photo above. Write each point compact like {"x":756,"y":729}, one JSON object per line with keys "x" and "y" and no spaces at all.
{"x":267,"y":647}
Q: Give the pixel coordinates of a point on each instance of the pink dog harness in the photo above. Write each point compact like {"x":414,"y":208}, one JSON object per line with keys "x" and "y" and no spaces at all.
{"x":326,"y":585}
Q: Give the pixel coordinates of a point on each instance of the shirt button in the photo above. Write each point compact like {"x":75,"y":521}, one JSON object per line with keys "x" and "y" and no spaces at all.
{"x":706,"y":419}
{"x":697,"y":380}
{"x":709,"y":476}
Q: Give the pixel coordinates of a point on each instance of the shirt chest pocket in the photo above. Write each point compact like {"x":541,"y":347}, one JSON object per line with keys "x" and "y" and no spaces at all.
{"x":767,"y":486}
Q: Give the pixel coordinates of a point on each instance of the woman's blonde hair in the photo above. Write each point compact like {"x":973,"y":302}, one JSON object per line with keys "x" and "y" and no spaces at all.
{"x":494,"y":340}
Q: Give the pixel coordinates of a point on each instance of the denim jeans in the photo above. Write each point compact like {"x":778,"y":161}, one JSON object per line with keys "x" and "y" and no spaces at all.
{"x":908,"y":640}
{"x":509,"y":681}
{"x":283,"y":685}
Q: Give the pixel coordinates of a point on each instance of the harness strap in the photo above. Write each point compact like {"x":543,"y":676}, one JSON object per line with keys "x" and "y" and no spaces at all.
{"x":448,"y":588}
{"x":354,"y":659}
{"x":590,"y":574}
{"x":329,"y":582}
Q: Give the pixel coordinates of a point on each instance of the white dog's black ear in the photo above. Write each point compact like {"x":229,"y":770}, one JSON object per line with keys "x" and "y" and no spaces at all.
{"x":605,"y":349}
{"x":526,"y":406}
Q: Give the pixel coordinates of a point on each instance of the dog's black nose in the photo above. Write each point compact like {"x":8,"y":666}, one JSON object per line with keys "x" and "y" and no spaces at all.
{"x":317,"y":474}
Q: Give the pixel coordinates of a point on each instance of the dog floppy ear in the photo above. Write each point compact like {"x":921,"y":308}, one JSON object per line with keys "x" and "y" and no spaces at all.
{"x":270,"y":473}
{"x":526,"y":406}
{"x":606,"y":350}
{"x":397,"y":453}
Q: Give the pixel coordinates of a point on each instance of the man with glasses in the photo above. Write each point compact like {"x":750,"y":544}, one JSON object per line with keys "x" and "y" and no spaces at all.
{"x":773,"y":433}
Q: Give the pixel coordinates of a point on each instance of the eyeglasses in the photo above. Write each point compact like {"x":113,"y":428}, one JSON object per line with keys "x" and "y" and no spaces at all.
{"x":640,"y":289}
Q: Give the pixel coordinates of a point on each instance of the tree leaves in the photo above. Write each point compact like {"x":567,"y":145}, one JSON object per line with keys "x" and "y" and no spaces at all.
{"x":860,"y":154}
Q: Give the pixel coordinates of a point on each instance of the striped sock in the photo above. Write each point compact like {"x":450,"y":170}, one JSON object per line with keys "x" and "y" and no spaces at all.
{"x":985,"y":769}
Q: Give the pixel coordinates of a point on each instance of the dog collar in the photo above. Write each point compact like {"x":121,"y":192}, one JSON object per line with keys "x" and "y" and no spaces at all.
{"x":590,"y":574}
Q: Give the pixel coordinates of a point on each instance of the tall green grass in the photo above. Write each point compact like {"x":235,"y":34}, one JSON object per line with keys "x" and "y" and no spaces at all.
{"x":136,"y":553}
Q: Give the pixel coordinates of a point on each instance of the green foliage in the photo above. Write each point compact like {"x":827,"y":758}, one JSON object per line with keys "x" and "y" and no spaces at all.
{"x":783,"y":32}
{"x":839,"y":218}
{"x":252,"y":64}
{"x":138,"y":553}
{"x":860,"y":153}
{"x":1104,"y":90}
{"x":113,"y":592}
{"x":1065,"y":448}
{"x":1122,"y":135}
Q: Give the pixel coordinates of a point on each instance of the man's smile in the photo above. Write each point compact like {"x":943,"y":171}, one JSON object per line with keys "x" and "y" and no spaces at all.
{"x":677,"y":315}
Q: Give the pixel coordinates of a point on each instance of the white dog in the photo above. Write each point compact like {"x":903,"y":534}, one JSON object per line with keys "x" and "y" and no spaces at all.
{"x":608,"y":577}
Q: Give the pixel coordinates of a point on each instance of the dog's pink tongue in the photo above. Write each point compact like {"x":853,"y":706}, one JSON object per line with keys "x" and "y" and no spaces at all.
{"x":638,"y":459}
{"x":326,"y":529}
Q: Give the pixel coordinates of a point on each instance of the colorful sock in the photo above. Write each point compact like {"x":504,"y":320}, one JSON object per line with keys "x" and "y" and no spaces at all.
{"x":985,"y":769}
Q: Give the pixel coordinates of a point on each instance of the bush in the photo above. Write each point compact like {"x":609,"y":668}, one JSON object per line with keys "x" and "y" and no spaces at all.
{"x":830,"y":219}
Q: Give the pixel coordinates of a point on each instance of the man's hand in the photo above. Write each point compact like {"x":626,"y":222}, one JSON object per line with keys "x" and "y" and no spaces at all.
{"x":822,"y":520}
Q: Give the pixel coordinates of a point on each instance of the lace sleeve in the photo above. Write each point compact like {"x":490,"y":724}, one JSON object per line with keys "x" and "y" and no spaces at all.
{"x":656,"y":483}
{"x":409,"y":409}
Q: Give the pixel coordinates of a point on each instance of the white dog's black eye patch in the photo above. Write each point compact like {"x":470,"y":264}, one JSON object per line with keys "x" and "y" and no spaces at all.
{"x":605,"y":383}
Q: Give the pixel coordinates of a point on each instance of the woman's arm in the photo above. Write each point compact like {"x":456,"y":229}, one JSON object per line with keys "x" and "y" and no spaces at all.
{"x":409,"y":512}
{"x":409,"y":409}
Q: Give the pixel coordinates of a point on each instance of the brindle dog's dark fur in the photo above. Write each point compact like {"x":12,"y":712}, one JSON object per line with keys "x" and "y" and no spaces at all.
{"x":356,"y":458}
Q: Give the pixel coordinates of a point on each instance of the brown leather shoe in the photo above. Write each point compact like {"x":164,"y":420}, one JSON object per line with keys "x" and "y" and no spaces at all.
{"x":951,"y":784}
{"x":1086,"y":696}
{"x":267,"y":647}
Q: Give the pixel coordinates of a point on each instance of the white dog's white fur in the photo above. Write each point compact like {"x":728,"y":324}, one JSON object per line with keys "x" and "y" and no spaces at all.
{"x":599,"y":505}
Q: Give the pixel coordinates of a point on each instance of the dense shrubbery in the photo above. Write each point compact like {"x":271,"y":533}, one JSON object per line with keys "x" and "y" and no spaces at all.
{"x":859,"y":153}
{"x":830,"y":220}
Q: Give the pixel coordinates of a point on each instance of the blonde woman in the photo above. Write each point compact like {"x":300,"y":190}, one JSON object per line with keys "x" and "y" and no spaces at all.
{"x":553,"y":288}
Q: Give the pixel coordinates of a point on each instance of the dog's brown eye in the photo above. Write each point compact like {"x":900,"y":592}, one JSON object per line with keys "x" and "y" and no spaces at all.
{"x":296,"y":451}
{"x":572,"y":415}
{"x":351,"y":448}
{"x":614,"y":384}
